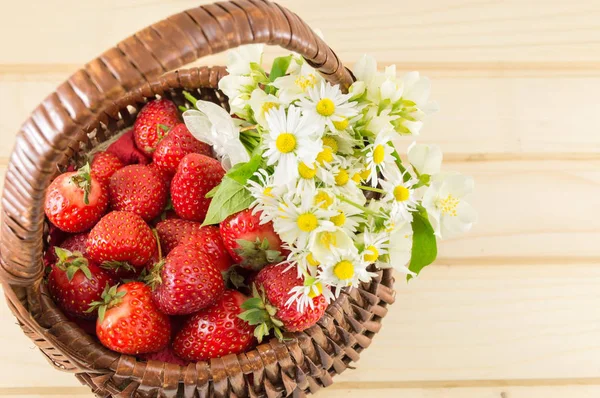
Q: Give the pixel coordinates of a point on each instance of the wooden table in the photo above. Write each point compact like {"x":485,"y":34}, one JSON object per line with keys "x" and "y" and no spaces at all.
{"x":511,"y":310}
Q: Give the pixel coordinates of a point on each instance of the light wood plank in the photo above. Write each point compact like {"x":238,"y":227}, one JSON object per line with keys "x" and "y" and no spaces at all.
{"x":470,"y":326}
{"x":502,"y":117}
{"x":433,"y":31}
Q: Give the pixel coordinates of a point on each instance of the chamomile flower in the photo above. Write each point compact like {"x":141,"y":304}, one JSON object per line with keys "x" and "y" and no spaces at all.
{"x":307,"y":174}
{"x":344,"y":142}
{"x":400,"y":249}
{"x":295,"y":85}
{"x":400,"y":193}
{"x":378,"y":157}
{"x":291,"y":139}
{"x":303,"y":296}
{"x":324,"y":241}
{"x":375,"y":246}
{"x":266,"y":195}
{"x":297,"y":222}
{"x":344,"y":268}
{"x":261,"y":103}
{"x":342,"y":180}
{"x":326,"y":104}
{"x":302,"y":259}
{"x":347,"y":218}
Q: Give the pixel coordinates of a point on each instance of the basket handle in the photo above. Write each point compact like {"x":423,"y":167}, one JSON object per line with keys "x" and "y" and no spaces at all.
{"x":56,"y":126}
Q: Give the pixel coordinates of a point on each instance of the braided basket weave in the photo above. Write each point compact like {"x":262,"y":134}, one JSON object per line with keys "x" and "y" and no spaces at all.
{"x":102,"y":99}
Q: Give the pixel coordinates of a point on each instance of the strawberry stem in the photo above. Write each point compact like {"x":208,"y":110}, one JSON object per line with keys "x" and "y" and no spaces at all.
{"x":83,"y":180}
{"x":157,"y":238}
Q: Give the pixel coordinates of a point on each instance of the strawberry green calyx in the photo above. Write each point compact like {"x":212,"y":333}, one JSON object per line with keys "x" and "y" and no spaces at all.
{"x":71,"y":262}
{"x":110,"y":298}
{"x":257,"y":254}
{"x":154,"y":278}
{"x":116,"y":265}
{"x":261,"y":314}
{"x":83,"y":179}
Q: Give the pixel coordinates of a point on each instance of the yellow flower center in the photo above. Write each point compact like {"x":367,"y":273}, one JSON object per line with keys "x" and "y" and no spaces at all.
{"x":268,"y":192}
{"x":286,"y":142}
{"x":371,"y":254}
{"x":267,"y":106}
{"x":448,"y":205}
{"x":312,"y":293}
{"x":323,"y":199}
{"x":307,"y":222}
{"x":342,"y":177}
{"x":401,"y":193}
{"x":365,"y":174}
{"x":331,"y":143}
{"x":328,"y":239}
{"x":339,"y":220}
{"x":344,"y":270}
{"x":341,"y":125}
{"x":311,"y":260}
{"x":306,"y":172}
{"x":378,"y":154}
{"x":325,"y":107}
{"x":356,"y":178}
{"x":306,"y":82}
{"x":325,"y":156}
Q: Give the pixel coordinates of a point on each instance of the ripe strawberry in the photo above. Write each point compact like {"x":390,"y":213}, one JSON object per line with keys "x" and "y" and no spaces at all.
{"x":75,"y":201}
{"x":129,"y":322}
{"x":174,"y":232}
{"x":138,"y":189}
{"x":153,"y":122}
{"x":215,"y":331}
{"x":124,"y":148}
{"x":250,"y":244}
{"x":166,"y":177}
{"x":269,"y":310}
{"x":120,"y":237}
{"x":74,"y":283}
{"x":185,"y":282}
{"x":76,"y":243}
{"x":166,"y":355}
{"x":104,"y":166}
{"x":178,"y":143}
{"x":196,"y":176}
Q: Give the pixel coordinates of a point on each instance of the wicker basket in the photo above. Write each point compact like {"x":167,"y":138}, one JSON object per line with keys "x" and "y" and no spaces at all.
{"x":93,"y":105}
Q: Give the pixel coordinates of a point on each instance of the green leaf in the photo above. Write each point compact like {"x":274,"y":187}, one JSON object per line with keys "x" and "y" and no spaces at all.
{"x":212,"y":192}
{"x":241,"y":172}
{"x":424,"y":249}
{"x":280,"y":67}
{"x":405,"y":175}
{"x":252,"y":303}
{"x":86,"y":271}
{"x":232,"y":197}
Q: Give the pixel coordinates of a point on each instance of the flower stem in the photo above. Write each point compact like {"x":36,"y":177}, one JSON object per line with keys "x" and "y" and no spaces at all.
{"x":363,"y":208}
{"x":365,"y":188}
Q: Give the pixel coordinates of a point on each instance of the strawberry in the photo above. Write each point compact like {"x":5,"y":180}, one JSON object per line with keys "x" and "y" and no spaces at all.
{"x":129,"y":322}
{"x":104,"y":166}
{"x":185,"y":282}
{"x":121,"y":237}
{"x":153,"y":122}
{"x":75,"y":201}
{"x":196,"y":176}
{"x":215,"y":331}
{"x":166,"y":177}
{"x":74,"y":283}
{"x":178,"y":143}
{"x":124,"y":148}
{"x":76,"y":243}
{"x":174,"y":232}
{"x":250,"y":244}
{"x":268,"y":309}
{"x":166,"y":355}
{"x":138,"y":189}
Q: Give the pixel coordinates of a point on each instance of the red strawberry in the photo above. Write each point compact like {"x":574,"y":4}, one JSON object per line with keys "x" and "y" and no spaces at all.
{"x":120,"y":237}
{"x":174,"y":232}
{"x":250,"y":244}
{"x":185,"y":282}
{"x":129,"y":322}
{"x":153,"y":122}
{"x":75,"y":201}
{"x":215,"y":331}
{"x":74,"y":283}
{"x":178,"y":143}
{"x":196,"y":176}
{"x":269,"y":310}
{"x":76,"y":243}
{"x":166,"y":177}
{"x":104,"y":166}
{"x":138,"y":189}
{"x":166,"y":355}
